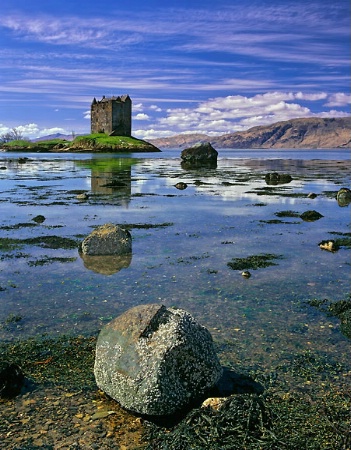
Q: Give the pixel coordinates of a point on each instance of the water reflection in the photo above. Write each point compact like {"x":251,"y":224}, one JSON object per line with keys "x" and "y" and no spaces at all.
{"x":111,"y":176}
{"x":224,"y":213}
{"x":106,"y":264}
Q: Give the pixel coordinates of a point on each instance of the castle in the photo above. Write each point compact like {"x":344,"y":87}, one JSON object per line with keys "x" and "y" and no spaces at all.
{"x":112,"y":116}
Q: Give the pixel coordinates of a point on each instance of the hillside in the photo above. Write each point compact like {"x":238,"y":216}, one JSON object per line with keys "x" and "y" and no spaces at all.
{"x":295,"y":133}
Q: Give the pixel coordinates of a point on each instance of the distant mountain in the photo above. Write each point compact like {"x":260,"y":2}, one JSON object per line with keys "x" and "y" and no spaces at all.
{"x":294,"y":133}
{"x":67,"y":137}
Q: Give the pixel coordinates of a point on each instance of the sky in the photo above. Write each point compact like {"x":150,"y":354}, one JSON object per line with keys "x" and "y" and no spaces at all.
{"x":191,"y":66}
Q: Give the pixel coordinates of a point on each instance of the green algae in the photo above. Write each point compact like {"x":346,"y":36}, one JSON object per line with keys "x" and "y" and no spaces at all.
{"x":254,"y":262}
{"x":53,"y":242}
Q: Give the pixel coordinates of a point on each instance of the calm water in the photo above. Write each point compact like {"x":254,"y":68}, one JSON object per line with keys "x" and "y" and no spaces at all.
{"x":182,"y":243}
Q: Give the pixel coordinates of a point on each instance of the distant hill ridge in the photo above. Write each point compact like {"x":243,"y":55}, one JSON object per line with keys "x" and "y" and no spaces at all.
{"x":294,"y":133}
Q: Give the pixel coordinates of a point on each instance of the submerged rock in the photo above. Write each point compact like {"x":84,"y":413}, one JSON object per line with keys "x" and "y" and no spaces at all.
{"x":39,"y":219}
{"x":155,"y":360}
{"x":202,"y":154}
{"x":311,"y":216}
{"x":275,"y":178}
{"x":108,"y":239}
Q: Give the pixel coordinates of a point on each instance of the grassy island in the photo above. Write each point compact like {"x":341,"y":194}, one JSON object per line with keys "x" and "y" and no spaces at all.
{"x":99,"y":142}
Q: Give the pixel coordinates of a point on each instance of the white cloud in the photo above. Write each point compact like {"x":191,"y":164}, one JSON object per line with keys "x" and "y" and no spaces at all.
{"x":311,"y":97}
{"x":155,"y":108}
{"x":32,"y":130}
{"x":152,"y":134}
{"x":141,"y":116}
{"x":237,"y":113}
{"x":339,"y":99}
{"x":138,"y":107}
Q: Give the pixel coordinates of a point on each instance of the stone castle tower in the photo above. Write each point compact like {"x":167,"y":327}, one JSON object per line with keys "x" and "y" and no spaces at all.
{"x":112,"y":116}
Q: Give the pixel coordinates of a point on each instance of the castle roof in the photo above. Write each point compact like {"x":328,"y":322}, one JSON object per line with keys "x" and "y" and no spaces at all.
{"x":119,"y":98}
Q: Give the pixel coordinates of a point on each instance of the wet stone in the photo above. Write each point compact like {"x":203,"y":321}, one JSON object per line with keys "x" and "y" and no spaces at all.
{"x":108,"y":239}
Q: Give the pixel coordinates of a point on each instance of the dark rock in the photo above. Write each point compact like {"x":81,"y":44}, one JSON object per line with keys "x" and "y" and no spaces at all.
{"x":344,"y":197}
{"x":11,"y":379}
{"x":108,"y":239}
{"x":311,"y":216}
{"x":181,"y":186}
{"x":275,"y":178}
{"x":155,"y":360}
{"x":39,"y":219}
{"x":200,"y":155}
{"x":312,"y":195}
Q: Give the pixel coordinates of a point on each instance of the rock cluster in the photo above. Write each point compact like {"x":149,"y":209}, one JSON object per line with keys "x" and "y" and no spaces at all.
{"x":155,"y":360}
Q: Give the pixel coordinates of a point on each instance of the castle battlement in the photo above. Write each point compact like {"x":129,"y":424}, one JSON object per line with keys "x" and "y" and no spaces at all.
{"x":112,"y":115}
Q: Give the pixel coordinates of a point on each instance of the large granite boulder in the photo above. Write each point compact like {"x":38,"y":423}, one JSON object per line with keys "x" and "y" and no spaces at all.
{"x":108,"y":239}
{"x":202,"y":154}
{"x":155,"y":360}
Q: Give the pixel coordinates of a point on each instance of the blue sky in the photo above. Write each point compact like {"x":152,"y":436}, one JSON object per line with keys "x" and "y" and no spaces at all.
{"x":208,"y":67}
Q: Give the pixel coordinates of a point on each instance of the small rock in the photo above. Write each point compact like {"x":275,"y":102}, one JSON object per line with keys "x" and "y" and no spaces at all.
{"x":39,"y":219}
{"x":312,"y":195}
{"x":329,"y":245}
{"x":246,"y":274}
{"x":214,"y":402}
{"x":344,"y":197}
{"x":310,"y":216}
{"x":181,"y":186}
{"x":83,"y":196}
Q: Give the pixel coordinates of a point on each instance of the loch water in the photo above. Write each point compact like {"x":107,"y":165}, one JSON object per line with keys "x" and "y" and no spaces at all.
{"x":183,"y":242}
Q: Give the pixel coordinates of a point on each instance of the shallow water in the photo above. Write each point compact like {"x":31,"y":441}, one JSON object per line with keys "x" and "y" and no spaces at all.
{"x":183,"y":241}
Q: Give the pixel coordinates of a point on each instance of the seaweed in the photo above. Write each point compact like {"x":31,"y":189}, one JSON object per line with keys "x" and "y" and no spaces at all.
{"x":254,"y":262}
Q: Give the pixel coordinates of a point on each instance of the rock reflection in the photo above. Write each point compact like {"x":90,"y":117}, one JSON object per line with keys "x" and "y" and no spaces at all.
{"x":106,"y":264}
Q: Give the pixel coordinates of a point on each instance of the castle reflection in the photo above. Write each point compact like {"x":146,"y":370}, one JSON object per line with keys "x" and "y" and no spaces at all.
{"x":111,"y":176}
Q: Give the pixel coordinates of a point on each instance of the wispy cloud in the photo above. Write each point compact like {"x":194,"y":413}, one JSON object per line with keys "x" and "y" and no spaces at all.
{"x":213,"y":69}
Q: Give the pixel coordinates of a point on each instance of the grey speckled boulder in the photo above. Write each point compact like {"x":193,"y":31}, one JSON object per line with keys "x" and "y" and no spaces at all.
{"x":108,"y":239}
{"x":154,"y":360}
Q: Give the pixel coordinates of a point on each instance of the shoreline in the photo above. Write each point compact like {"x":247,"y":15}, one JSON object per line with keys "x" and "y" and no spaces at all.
{"x":60,"y":404}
